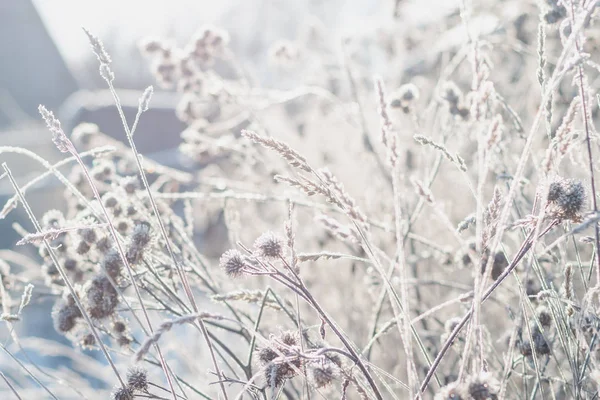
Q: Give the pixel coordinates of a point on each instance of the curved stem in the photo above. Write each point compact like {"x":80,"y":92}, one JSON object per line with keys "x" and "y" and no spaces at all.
{"x":519,"y":256}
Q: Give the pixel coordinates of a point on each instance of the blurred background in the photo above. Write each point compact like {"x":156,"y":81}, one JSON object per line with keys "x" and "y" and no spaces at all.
{"x":46,"y":59}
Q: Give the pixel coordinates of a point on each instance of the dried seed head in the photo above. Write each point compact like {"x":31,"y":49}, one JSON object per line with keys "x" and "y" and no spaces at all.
{"x":208,"y":44}
{"x":322,"y":374}
{"x":539,"y":341}
{"x":335,"y":359}
{"x":102,"y":298}
{"x":62,"y":143}
{"x":465,"y":223}
{"x":68,"y":298}
{"x":524,"y":347}
{"x":233,"y":262}
{"x":586,"y":321}
{"x":573,"y":199}
{"x":134,"y":255}
{"x":151,"y":46}
{"x":104,"y":244}
{"x":141,"y":235}
{"x":452,"y":391}
{"x":103,"y":170}
{"x":124,"y":340}
{"x":451,"y":93}
{"x":89,"y":235}
{"x":275,"y":374}
{"x":567,"y":196}
{"x":284,"y":53}
{"x":88,"y":341}
{"x":281,"y":361}
{"x":112,"y":263}
{"x":53,"y":219}
{"x":70,"y":264}
{"x":165,"y":71}
{"x":453,"y":96}
{"x":82,"y":134}
{"x":65,"y":317}
{"x":555,"y":190}
{"x":483,"y":387}
{"x":544,"y":316}
{"x":555,"y":14}
{"x":130,"y":184}
{"x":408,"y":92}
{"x":266,"y":355}
{"x":122,"y":393}
{"x":540,"y":344}
{"x":123,"y":226}
{"x":500,"y":262}
{"x":82,"y":247}
{"x":404,"y":97}
{"x":50,"y":270}
{"x":110,"y":200}
{"x":131,"y":211}
{"x":137,"y":379}
{"x":289,"y":338}
{"x":269,"y":245}
{"x":119,"y":326}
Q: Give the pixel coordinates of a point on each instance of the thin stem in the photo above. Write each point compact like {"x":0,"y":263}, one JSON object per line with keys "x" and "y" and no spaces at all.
{"x":22,"y":350}
{"x":50,"y":170}
{"x":588,"y":142}
{"x":343,"y":339}
{"x":256,"y":325}
{"x":10,"y":386}
{"x":121,"y":252}
{"x":178,"y":266}
{"x":163,"y":231}
{"x":446,"y":346}
{"x":303,"y":291}
{"x":400,"y":262}
{"x":15,"y":359}
{"x":63,"y":274}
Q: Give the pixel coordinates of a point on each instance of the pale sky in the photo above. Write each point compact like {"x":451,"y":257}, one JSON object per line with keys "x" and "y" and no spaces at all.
{"x":125,"y":18}
{"x":132,"y":19}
